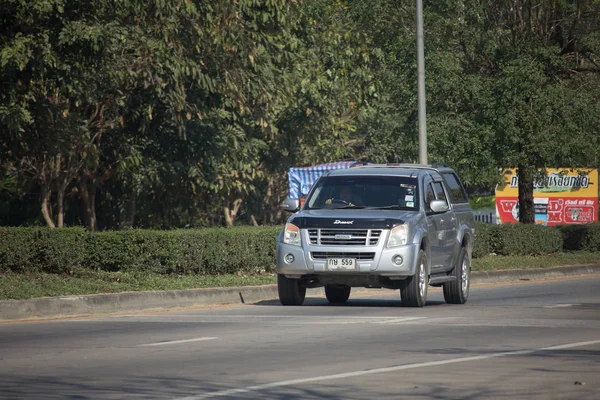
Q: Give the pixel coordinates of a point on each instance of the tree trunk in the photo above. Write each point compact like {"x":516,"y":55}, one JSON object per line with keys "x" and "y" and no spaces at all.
{"x":46,"y":207}
{"x":60,"y":206}
{"x":526,"y":207}
{"x":87,"y":192}
{"x":128,"y":216}
{"x":231,"y":213}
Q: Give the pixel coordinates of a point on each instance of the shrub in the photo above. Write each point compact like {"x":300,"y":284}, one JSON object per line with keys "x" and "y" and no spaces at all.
{"x":200,"y":251}
{"x":525,"y":239}
{"x":16,"y":249}
{"x":41,"y":249}
{"x":484,"y":240}
{"x":581,"y":237}
{"x":246,"y":250}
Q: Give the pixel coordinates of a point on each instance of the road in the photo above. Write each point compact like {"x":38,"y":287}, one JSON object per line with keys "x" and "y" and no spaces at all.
{"x":531,"y":340}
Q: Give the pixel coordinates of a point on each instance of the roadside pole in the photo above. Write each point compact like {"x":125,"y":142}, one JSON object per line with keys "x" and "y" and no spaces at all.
{"x":421,"y":85}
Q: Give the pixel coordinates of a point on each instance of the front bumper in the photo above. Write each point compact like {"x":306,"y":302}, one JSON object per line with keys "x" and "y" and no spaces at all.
{"x":381,"y":264}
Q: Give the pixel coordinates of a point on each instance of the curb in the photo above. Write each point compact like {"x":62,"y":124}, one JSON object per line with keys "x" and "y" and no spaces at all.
{"x":127,"y":302}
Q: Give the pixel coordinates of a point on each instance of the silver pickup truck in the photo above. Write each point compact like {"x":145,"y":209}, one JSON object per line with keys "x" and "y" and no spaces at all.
{"x":394,"y":226}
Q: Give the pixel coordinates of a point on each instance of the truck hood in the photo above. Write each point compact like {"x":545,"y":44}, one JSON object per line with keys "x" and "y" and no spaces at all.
{"x":351,"y":219}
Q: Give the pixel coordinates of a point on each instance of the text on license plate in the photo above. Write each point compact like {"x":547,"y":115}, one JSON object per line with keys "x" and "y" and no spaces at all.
{"x":341,"y":264}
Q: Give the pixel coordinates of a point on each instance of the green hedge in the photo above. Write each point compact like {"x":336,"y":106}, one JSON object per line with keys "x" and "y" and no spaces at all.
{"x":245,"y":250}
{"x":581,"y":237}
{"x":484,"y":240}
{"x":208,"y":251}
{"x":520,"y":239}
{"x":42,"y":249}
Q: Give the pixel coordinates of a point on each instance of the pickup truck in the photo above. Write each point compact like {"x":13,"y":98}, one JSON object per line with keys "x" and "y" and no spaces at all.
{"x":395,"y":226}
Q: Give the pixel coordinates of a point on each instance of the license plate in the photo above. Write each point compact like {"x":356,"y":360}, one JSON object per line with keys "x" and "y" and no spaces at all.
{"x":341,"y":264}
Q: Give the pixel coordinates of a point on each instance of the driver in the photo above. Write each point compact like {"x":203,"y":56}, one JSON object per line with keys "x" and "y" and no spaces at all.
{"x":346,"y":197}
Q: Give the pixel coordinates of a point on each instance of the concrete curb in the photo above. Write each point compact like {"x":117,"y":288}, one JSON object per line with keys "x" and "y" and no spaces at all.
{"x":127,"y":302}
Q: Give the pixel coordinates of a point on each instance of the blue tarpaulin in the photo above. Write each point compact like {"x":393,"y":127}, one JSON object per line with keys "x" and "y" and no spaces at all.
{"x":301,"y":180}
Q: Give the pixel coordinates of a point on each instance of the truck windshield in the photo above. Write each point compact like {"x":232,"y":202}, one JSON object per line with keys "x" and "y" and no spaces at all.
{"x":372,"y":192}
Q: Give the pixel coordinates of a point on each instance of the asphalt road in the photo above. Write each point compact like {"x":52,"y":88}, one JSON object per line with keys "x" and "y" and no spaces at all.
{"x":536,"y":340}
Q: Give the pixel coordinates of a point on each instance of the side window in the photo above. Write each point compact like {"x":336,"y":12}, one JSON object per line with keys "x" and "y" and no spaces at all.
{"x":457,"y":193}
{"x":429,"y":195}
{"x":439,"y":191}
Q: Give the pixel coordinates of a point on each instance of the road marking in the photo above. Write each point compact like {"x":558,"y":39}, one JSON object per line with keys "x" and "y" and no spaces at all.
{"x":384,"y":370}
{"x":352,"y":320}
{"x":394,"y":321}
{"x":177,"y":341}
{"x":562,"y":305}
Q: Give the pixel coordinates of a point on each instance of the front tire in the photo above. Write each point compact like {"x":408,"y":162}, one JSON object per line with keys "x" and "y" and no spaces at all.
{"x":457,"y":292}
{"x":291,"y":291}
{"x":414,"y":294}
{"x":337,"y":294}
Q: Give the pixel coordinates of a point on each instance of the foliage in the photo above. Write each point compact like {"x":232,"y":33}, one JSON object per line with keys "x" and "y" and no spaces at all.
{"x":485,"y":239}
{"x":482,"y":202}
{"x":584,"y":237}
{"x":181,"y":252}
{"x":516,"y":239}
{"x":41,"y":249}
{"x":169,"y":114}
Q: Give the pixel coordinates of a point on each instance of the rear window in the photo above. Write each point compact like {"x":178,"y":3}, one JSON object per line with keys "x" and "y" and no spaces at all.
{"x":457,"y":192}
{"x":374,"y":192}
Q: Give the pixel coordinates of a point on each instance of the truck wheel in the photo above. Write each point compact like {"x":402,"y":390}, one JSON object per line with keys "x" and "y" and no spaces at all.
{"x":291,"y":291}
{"x":457,"y":292}
{"x":337,"y":294}
{"x":414,"y":293}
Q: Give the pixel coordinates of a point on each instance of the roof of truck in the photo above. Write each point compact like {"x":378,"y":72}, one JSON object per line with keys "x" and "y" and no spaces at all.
{"x":407,"y":170}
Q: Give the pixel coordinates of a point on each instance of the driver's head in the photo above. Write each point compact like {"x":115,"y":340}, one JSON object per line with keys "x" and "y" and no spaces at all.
{"x":346,"y":193}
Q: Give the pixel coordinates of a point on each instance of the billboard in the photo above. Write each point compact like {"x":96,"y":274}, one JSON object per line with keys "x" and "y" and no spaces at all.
{"x":561,"y":196}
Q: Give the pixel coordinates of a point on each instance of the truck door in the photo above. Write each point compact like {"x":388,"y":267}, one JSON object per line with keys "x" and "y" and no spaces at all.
{"x":434,"y":229}
{"x":447,"y":232}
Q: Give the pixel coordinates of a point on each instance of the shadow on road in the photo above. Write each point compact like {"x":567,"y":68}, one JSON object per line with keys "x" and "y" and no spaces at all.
{"x":360,"y":302}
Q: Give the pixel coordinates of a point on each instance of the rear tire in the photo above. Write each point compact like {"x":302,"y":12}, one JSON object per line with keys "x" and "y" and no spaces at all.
{"x":291,"y":291}
{"x":414,"y":293}
{"x":337,"y":294}
{"x":457,"y":292}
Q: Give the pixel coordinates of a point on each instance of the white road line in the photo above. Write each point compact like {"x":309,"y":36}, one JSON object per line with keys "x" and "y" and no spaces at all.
{"x":383,"y":370}
{"x":295,"y":316}
{"x":349,"y":321}
{"x":398,"y":320}
{"x":177,"y":342}
{"x":561,"y":305}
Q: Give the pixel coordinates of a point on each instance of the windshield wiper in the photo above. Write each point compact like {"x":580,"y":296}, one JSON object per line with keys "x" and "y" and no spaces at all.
{"x":349,"y":207}
{"x":393,"y":207}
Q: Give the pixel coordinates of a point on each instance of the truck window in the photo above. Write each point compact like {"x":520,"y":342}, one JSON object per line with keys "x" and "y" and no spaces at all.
{"x":439,"y":191}
{"x":384,"y":192}
{"x":456,"y":190}
{"x":429,"y":196}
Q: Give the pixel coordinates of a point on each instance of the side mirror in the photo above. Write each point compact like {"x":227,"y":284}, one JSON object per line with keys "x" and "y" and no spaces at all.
{"x":291,"y":205}
{"x":438,"y":206}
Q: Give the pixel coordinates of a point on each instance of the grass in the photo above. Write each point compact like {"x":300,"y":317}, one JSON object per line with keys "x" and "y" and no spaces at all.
{"x":543,"y":261}
{"x":82,"y":281}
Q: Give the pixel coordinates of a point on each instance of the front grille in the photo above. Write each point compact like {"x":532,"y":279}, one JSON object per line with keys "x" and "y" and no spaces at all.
{"x":344,"y":237}
{"x":323,"y":255}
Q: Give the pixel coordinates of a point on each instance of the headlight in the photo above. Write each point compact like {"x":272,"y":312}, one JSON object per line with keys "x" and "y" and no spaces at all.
{"x":398,"y":236}
{"x":291,"y":235}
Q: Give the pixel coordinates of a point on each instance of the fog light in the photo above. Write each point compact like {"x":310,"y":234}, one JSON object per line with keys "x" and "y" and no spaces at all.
{"x":289,"y":258}
{"x":397,"y":259}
